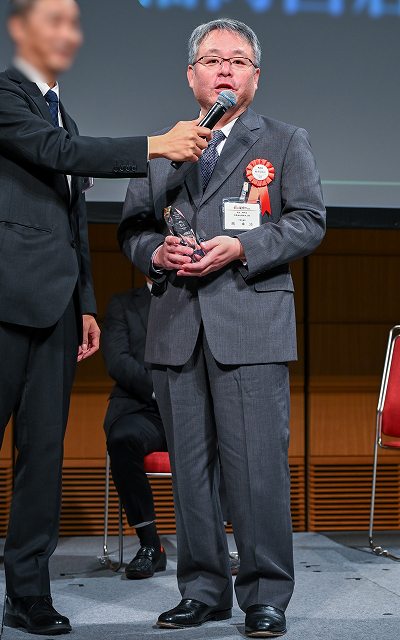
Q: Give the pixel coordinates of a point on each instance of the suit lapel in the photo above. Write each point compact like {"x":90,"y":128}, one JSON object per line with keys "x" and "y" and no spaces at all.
{"x":169,"y":186}
{"x":70,"y":127}
{"x":189,"y":174}
{"x":36,"y":95}
{"x":33,"y":91}
{"x":194,"y":184}
{"x":243,"y":136}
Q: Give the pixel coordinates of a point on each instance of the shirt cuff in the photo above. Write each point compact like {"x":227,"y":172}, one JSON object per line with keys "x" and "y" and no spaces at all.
{"x":156,"y":269}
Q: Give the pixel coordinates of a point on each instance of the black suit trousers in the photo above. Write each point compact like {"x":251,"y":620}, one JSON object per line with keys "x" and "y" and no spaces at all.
{"x":36,"y":377}
{"x":131,"y":438}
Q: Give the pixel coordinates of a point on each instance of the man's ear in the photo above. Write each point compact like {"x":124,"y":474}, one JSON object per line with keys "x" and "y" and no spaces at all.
{"x":14,"y":27}
{"x":190,"y":74}
{"x":256,"y":77}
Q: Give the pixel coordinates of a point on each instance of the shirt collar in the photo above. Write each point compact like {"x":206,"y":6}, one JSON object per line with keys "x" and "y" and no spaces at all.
{"x":228,"y":127}
{"x":35,"y":76}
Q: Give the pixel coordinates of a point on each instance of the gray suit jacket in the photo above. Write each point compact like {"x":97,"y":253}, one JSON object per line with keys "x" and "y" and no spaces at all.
{"x":247,"y":312}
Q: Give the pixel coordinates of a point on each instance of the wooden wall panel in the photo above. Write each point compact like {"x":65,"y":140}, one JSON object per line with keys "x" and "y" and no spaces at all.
{"x":340,"y":496}
{"x":85,"y":436}
{"x":353,"y":280}
{"x":370,"y":242}
{"x":112,"y":271}
{"x":354,"y":289}
{"x":353,"y":286}
{"x":353,"y":302}
{"x":83,"y":501}
{"x":6,"y":479}
{"x":347,"y":350}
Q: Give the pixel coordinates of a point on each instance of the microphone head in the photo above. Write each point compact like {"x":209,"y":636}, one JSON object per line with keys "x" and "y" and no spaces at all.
{"x":227,"y":99}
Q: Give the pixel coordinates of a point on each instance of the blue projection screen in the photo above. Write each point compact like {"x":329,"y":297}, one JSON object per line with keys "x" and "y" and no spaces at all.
{"x":330,"y":66}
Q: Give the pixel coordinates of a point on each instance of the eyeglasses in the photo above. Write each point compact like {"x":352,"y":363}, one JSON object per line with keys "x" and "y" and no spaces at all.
{"x":212,"y":62}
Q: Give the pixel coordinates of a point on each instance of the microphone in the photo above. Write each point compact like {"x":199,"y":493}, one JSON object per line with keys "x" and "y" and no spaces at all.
{"x":226,"y":100}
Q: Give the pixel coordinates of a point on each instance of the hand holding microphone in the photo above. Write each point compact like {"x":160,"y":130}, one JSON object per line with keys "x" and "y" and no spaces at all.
{"x":185,"y":142}
{"x":226,"y":100}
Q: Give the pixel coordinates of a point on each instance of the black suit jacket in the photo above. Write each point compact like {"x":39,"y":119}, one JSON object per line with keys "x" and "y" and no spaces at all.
{"x":123,"y":343}
{"x":44,"y":250}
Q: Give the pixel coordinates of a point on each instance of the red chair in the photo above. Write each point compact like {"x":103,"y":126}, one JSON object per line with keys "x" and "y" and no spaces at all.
{"x":387,"y":422}
{"x":156,"y":465}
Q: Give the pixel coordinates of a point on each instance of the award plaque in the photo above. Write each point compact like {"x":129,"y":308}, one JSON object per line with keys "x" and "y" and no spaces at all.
{"x":179,"y":227}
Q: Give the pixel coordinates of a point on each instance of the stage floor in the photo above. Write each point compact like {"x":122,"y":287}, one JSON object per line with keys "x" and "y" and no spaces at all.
{"x":342,"y":592}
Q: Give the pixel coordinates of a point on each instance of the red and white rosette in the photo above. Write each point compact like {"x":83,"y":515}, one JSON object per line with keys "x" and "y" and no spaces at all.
{"x":260,"y":174}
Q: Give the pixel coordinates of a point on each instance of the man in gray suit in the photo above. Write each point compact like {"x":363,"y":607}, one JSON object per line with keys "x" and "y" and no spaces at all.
{"x":222,"y":330}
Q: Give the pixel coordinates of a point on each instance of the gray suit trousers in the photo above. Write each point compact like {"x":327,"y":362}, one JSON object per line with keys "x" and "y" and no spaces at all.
{"x":240,"y":414}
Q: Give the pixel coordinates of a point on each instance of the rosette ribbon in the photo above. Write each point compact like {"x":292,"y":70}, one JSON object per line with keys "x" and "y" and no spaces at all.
{"x":260,"y":174}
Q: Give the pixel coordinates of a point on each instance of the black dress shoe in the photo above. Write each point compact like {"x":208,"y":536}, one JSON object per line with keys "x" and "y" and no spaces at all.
{"x":191,"y":613}
{"x":35,"y":615}
{"x":146,"y":563}
{"x":264,"y":621}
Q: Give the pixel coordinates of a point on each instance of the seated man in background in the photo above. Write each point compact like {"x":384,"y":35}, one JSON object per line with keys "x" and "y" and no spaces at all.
{"x":132,"y":424}
{"x":134,"y":428}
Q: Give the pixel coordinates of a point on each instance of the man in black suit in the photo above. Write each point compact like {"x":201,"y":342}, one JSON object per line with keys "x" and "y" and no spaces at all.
{"x":45,"y":280}
{"x":133,"y":424}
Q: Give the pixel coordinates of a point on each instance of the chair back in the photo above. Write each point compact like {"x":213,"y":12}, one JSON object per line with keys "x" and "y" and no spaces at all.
{"x":390,"y":407}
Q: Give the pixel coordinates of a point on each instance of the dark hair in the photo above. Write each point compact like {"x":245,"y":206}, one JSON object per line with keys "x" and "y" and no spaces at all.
{"x":19,"y":7}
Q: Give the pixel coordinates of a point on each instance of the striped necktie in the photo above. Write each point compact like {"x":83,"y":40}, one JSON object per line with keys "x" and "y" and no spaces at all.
{"x":52,"y":100}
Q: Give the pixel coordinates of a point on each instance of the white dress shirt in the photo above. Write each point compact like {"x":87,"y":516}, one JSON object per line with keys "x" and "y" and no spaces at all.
{"x":226,"y":131}
{"x":35,"y":76}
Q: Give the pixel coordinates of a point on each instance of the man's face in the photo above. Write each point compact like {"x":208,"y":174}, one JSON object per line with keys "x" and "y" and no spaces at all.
{"x":207,"y":83}
{"x":49,"y":35}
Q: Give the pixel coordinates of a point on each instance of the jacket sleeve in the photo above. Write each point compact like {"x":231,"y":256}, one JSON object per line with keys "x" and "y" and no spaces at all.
{"x":302,"y":225}
{"x":85,"y":273}
{"x":27,"y":137}
{"x":140,"y":233}
{"x":122,"y":366}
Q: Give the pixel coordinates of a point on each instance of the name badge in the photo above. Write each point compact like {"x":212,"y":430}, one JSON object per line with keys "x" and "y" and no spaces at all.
{"x":240,"y":216}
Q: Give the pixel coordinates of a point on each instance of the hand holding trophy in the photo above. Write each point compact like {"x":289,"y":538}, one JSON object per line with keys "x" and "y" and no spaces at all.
{"x":180,"y":228}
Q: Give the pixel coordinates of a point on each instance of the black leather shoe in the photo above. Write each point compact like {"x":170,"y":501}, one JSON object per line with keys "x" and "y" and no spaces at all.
{"x":35,"y":615}
{"x":264,"y":621}
{"x":191,"y":613}
{"x":146,"y":563}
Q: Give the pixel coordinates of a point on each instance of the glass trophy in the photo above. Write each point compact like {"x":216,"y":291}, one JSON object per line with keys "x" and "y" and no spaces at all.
{"x":179,"y":227}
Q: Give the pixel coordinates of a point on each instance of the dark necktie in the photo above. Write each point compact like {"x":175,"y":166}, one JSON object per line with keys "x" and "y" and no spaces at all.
{"x":210,"y":157}
{"x":52,"y":100}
